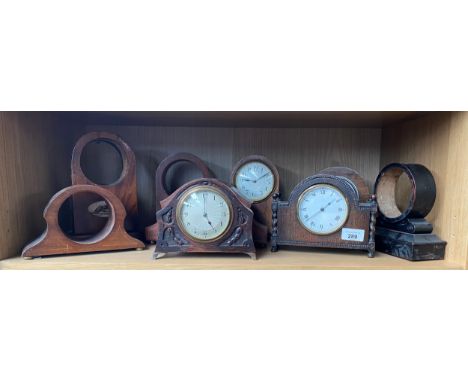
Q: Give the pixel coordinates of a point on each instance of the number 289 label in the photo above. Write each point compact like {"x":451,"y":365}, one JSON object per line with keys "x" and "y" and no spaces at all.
{"x":351,"y":234}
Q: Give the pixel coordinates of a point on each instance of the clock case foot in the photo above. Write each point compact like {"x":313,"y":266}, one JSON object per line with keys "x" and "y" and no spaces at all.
{"x":160,"y":255}
{"x":410,"y":246}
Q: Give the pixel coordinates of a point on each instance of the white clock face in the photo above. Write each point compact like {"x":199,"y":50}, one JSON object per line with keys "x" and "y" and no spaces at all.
{"x":204,"y":213}
{"x":255,"y":181}
{"x":322,"y":209}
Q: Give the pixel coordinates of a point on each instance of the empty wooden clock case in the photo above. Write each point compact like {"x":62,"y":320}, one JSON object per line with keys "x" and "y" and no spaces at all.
{"x":55,"y":242}
{"x":161,"y":193}
{"x":405,"y":232}
{"x":205,"y":216}
{"x":332,"y":209}
{"x":125,"y":187}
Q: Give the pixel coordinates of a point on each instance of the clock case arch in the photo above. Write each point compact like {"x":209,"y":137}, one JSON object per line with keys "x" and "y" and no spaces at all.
{"x":236,"y":240}
{"x":288,"y":231}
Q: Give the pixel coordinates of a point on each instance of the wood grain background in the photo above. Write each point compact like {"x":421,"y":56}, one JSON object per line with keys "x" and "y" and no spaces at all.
{"x":297,"y":152}
{"x":34,"y":150}
{"x":440,"y":142}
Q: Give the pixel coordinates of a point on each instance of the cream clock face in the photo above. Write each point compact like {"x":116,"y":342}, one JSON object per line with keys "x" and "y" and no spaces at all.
{"x":255,"y":181}
{"x":204,"y":213}
{"x":322,"y":209}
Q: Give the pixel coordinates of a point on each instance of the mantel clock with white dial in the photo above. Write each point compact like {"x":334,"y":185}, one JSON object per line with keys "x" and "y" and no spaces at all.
{"x":205,"y":216}
{"x":256,"y":178}
{"x":332,"y":209}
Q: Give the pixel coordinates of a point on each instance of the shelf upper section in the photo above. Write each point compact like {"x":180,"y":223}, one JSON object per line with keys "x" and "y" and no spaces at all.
{"x":245,"y":118}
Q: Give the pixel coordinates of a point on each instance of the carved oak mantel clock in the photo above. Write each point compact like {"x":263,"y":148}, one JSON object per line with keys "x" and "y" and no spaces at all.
{"x":256,"y":178}
{"x":205,"y":216}
{"x":332,"y":209}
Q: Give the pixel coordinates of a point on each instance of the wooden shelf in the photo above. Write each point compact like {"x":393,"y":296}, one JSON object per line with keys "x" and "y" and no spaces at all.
{"x":284,"y":119}
{"x":286,"y":259}
{"x":299,"y":143}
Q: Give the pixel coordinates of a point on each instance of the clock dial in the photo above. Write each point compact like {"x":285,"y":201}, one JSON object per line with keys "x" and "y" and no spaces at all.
{"x":255,"y":181}
{"x":204,"y":213}
{"x":322,"y":209}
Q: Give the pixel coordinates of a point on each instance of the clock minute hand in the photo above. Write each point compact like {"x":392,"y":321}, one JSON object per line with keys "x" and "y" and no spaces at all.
{"x":311,"y":216}
{"x":320,"y":210}
{"x":205,"y":215}
{"x":266,"y":174}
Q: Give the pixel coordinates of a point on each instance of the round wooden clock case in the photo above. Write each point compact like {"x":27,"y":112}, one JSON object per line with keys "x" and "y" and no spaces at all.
{"x":422,"y":192}
{"x":161,"y":193}
{"x":125,"y":188}
{"x":402,"y":229}
{"x":261,"y":208}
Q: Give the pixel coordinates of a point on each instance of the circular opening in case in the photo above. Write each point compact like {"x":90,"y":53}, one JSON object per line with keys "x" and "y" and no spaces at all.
{"x":403,"y":192}
{"x":99,"y":217}
{"x":394,"y":193}
{"x":179,"y":174}
{"x":102,"y":162}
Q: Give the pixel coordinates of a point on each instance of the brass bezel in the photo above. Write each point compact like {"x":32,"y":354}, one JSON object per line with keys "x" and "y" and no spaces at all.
{"x":319,"y":186}
{"x":275,"y":180}
{"x":196,"y":189}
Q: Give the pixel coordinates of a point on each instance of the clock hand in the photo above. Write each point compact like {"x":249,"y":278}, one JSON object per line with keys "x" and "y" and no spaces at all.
{"x":205,"y":215}
{"x":255,"y":180}
{"x":311,"y":216}
{"x":328,"y":204}
{"x":204,"y":205}
{"x":320,"y":210}
{"x":263,"y":176}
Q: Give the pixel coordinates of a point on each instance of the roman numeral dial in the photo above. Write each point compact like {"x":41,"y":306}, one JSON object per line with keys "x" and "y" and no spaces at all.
{"x":322,"y":209}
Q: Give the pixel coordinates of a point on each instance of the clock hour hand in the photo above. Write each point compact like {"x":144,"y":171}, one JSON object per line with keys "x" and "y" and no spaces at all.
{"x":247,"y":179}
{"x":205,"y":215}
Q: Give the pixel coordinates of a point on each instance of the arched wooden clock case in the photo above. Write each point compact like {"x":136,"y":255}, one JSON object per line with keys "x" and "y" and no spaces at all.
{"x":125,"y":188}
{"x":287,"y":229}
{"x":235,"y":240}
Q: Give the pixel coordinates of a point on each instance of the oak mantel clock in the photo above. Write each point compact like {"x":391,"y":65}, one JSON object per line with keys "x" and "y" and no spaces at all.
{"x":332,"y":209}
{"x":205,"y":216}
